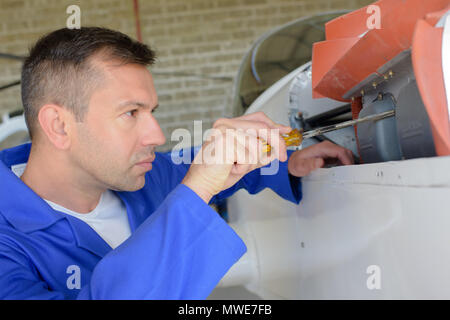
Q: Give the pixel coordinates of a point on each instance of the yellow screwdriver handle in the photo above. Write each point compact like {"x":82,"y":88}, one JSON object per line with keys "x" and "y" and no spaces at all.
{"x":293,"y":138}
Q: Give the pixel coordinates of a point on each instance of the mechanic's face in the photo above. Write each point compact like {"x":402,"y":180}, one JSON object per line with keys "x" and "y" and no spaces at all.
{"x":115,"y":143}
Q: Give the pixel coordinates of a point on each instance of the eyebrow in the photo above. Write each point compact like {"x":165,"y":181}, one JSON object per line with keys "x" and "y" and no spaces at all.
{"x":138,"y":104}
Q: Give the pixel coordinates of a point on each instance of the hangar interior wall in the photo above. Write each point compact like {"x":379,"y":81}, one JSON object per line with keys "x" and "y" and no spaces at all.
{"x":200,"y":44}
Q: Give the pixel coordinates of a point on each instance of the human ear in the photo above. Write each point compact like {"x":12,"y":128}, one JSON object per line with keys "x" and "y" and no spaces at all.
{"x":54,"y":122}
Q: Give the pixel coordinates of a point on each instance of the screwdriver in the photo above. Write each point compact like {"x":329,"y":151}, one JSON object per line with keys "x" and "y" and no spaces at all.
{"x":295,"y":137}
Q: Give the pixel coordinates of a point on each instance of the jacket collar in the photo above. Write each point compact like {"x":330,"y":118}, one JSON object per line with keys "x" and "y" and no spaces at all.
{"x":19,"y":204}
{"x":28,"y":212}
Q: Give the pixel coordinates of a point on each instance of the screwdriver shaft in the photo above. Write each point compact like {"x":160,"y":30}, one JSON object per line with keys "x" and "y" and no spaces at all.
{"x":345,"y":124}
{"x":295,"y":137}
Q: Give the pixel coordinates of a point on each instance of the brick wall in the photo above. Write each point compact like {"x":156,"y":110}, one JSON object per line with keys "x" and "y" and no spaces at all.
{"x":200,"y":44}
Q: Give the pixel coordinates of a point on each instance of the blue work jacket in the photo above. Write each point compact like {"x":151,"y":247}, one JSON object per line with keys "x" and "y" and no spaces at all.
{"x":179,"y":248}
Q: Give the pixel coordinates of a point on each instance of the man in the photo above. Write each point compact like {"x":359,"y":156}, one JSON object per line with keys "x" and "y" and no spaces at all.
{"x":88,"y":210}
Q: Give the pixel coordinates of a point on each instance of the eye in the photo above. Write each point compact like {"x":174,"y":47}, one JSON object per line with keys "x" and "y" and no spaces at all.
{"x":131,"y":113}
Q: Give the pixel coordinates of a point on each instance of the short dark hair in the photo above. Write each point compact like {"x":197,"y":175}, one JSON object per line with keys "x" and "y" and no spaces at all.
{"x":58,"y":68}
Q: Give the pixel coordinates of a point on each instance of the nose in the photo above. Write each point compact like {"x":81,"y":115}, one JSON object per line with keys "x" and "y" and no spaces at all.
{"x":151,"y":132}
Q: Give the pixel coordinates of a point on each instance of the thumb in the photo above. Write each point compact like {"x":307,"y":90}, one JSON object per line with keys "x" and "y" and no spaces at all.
{"x":313,"y":164}
{"x":318,"y":163}
{"x":284,"y":129}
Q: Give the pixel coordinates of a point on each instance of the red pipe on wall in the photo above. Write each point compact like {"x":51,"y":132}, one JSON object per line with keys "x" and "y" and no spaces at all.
{"x":138,"y":23}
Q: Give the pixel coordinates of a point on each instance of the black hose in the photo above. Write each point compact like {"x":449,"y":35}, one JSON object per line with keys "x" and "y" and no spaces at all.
{"x":11,"y":56}
{"x":9,"y":85}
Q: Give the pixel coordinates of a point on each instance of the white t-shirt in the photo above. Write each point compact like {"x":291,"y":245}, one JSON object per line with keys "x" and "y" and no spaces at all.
{"x":109,"y":219}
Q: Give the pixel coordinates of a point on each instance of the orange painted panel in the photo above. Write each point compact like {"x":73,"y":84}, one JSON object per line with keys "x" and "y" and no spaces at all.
{"x":321,"y":52}
{"x":433,"y":17}
{"x":351,"y":66}
{"x":351,"y":61}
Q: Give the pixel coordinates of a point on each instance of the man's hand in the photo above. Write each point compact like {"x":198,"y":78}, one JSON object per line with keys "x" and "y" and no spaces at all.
{"x":302,"y":162}
{"x":235,"y":147}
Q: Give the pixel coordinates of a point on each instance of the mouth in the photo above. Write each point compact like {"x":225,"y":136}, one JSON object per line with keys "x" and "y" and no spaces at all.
{"x":146,"y":163}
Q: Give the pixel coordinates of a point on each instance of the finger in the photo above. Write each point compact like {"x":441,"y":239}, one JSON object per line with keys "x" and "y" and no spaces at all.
{"x":318,"y":163}
{"x":257,"y":152}
{"x":263,"y":157}
{"x":240,"y":169}
{"x":268,"y":135}
{"x":218,"y":149}
{"x":258,"y":116}
{"x":253,"y":146}
{"x":350,"y":154}
{"x":243,"y":163}
{"x":256,"y":128}
{"x":245,"y":156}
{"x":244,"y":124}
{"x":328,"y":149}
{"x":306,"y":166}
{"x":344,"y":157}
{"x":259,"y":129}
{"x":262,"y":117}
{"x":277,"y":144}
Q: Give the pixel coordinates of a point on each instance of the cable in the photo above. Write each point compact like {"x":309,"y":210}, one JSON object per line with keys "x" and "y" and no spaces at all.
{"x":9,"y":85}
{"x":11,"y":56}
